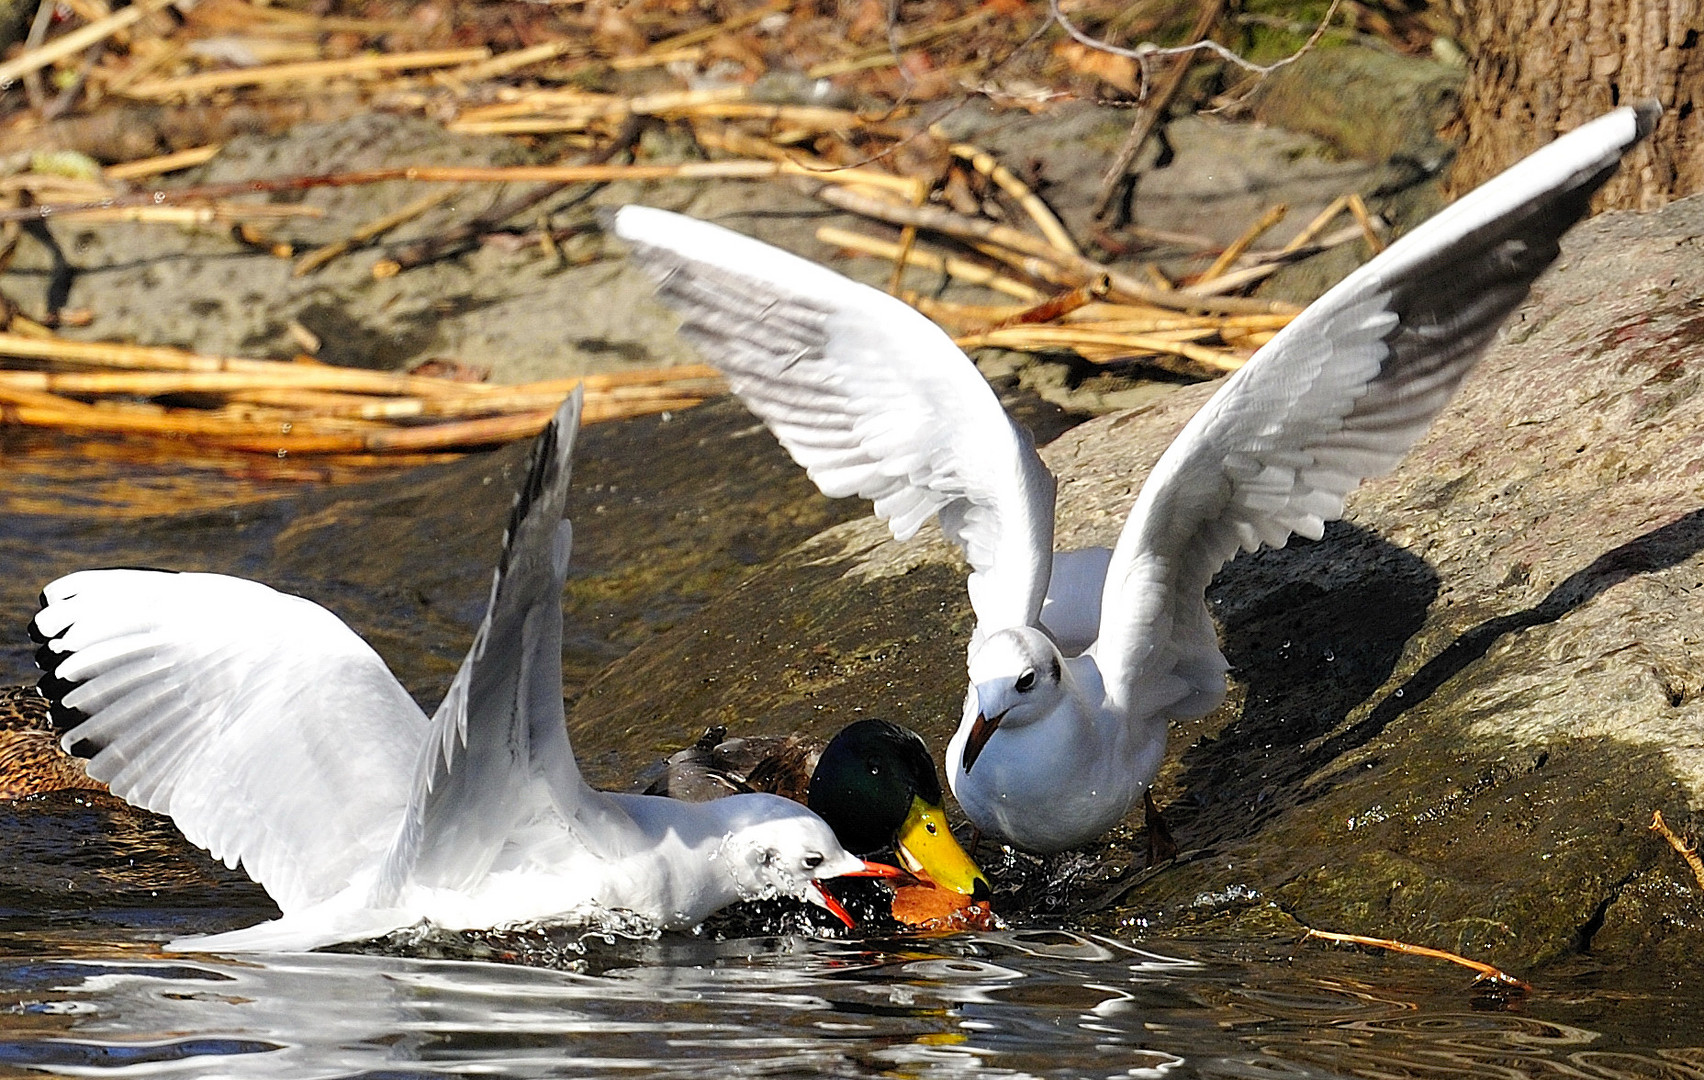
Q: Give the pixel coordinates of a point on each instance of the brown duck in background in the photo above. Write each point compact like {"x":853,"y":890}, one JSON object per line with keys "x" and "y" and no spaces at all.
{"x":31,"y":762}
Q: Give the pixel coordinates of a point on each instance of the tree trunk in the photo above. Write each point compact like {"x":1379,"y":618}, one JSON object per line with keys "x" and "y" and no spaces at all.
{"x":1541,"y":67}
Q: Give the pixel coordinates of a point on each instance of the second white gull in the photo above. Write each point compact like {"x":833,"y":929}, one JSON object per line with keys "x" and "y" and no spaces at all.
{"x":1079,"y":660}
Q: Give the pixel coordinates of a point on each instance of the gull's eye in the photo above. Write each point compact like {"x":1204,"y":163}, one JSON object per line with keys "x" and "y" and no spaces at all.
{"x":813,"y":860}
{"x":1025,"y":682}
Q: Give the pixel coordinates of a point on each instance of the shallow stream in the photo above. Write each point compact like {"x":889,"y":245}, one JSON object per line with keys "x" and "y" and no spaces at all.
{"x":668,"y":513}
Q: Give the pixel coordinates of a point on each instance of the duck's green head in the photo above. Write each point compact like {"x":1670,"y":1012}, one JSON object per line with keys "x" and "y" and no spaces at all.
{"x":876,"y":786}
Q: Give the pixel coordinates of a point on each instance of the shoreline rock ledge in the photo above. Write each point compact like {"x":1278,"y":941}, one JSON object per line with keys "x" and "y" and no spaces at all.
{"x":1450,"y":720}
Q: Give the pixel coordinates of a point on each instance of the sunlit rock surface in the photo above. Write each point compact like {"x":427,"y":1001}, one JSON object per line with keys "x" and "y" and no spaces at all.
{"x":1450,"y":720}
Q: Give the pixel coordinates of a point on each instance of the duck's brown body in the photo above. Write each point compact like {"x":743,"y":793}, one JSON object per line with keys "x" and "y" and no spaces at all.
{"x":31,"y":761}
{"x":716,"y":765}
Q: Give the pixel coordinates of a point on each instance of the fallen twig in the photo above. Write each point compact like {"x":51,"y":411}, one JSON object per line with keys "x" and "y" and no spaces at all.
{"x":1687,"y":852}
{"x":1486,"y":971}
{"x":319,"y":256}
{"x":1116,"y":180}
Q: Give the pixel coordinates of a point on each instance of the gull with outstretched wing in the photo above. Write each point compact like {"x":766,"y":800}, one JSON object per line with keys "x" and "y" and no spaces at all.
{"x":1080,"y":659}
{"x":277,"y":739}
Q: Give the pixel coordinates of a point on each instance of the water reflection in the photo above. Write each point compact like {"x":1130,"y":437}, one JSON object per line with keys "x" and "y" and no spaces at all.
{"x":1047,"y":1004}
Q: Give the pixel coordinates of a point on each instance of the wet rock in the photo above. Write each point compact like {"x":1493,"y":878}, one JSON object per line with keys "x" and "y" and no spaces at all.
{"x":1450,"y":719}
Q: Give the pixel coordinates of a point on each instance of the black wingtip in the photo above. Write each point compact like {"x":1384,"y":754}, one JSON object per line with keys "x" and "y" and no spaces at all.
{"x":1646,"y":113}
{"x":546,"y":460}
{"x":54,"y":687}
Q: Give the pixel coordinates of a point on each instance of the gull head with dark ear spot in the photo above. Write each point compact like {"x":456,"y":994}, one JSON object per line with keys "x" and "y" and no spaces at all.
{"x":774,"y":847}
{"x":1017,"y":678}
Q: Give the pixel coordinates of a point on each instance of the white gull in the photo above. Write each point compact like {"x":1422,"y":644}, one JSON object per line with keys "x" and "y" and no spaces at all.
{"x":274,"y":737}
{"x":1080,"y":659}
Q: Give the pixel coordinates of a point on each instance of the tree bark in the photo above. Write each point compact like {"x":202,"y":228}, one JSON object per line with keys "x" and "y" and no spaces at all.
{"x":1539,"y":68}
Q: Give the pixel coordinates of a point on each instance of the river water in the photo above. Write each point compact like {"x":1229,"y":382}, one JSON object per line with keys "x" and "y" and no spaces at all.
{"x":88,"y":888}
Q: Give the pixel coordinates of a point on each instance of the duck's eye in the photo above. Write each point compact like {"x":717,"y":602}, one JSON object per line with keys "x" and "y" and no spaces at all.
{"x":931,"y":827}
{"x":875,"y":768}
{"x":1025,"y":682}
{"x":813,"y":860}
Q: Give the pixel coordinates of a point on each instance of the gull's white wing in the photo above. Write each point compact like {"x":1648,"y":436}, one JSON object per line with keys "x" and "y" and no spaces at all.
{"x":1337,"y":396}
{"x":260,"y":723}
{"x":869,"y":396}
{"x":497,"y":764}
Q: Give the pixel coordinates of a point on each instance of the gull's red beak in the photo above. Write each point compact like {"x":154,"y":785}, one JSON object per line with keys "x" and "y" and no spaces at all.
{"x":833,"y":906}
{"x":869,"y":869}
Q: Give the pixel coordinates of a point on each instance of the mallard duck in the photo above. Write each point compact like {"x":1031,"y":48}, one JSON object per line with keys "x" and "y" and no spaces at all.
{"x":873,"y":782}
{"x":1080,"y":660}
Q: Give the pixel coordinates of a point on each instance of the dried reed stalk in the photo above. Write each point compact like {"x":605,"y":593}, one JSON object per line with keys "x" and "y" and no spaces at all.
{"x":505,"y":63}
{"x":77,"y":40}
{"x":1358,"y":208}
{"x":370,"y":65}
{"x":960,"y":269}
{"x":222,"y":213}
{"x":1313,"y":228}
{"x":165,"y":163}
{"x":1039,"y":212}
{"x":1069,"y":270}
{"x":156,"y":358}
{"x":1057,"y":307}
{"x":1233,"y":252}
{"x":888,"y":53}
{"x":1272,"y":262}
{"x":558,"y":111}
{"x":1031,"y":338}
{"x":717,"y":29}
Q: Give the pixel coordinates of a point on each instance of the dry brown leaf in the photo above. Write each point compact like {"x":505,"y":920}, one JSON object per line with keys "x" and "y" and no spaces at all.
{"x":1120,"y":71}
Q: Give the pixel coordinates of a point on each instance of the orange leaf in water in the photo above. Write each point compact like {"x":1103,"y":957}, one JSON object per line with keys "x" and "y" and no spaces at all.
{"x":927,"y":907}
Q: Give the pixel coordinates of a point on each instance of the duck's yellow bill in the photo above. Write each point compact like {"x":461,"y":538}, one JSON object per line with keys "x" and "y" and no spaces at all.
{"x":926,"y":847}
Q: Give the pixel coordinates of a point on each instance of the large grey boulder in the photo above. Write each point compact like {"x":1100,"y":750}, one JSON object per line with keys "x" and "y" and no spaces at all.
{"x":1450,"y":720}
